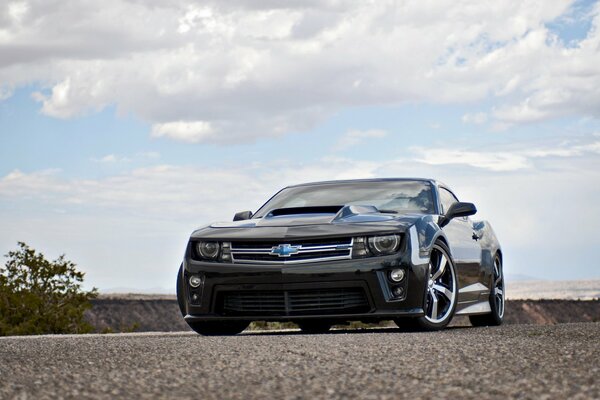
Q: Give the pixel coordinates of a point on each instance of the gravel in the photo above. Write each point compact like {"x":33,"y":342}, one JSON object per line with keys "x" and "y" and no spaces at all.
{"x":517,"y":361}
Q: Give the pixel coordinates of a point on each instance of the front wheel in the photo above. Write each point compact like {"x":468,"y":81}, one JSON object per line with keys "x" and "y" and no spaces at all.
{"x":496,"y":317}
{"x":442,"y":293}
{"x":218,"y":328}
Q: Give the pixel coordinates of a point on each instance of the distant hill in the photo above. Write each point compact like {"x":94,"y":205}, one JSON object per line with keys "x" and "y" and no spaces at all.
{"x":141,"y":313}
{"x":127,"y":290}
{"x":563,"y":290}
{"x":521,"y":277}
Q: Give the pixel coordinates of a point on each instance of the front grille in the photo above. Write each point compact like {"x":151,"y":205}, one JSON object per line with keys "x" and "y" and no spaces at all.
{"x":291,"y":251}
{"x":293,"y":302}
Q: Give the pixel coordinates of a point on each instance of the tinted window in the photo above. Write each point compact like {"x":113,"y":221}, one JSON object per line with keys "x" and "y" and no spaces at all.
{"x":446,"y":199}
{"x":399,"y":196}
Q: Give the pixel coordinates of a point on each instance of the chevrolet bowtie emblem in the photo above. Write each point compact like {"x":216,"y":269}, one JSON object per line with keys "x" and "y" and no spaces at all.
{"x":285,"y":250}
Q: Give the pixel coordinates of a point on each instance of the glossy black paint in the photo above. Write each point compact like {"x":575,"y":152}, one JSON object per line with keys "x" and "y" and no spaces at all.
{"x":473,"y":246}
{"x":242,"y":216}
{"x":460,"y":209}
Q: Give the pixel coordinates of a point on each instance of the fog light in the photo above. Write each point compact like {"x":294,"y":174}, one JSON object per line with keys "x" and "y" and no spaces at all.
{"x":195,"y":297}
{"x":398,"y":291}
{"x":195,"y":281}
{"x":397,"y":275}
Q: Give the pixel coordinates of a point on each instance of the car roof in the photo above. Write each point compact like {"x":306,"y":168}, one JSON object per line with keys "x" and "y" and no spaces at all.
{"x":432,"y":181}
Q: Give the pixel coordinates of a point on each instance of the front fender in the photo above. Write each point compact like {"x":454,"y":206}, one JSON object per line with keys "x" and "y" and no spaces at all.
{"x":423,"y":235}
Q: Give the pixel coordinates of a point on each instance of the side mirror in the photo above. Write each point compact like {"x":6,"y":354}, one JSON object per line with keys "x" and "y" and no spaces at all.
{"x":458,"y":209}
{"x":242,"y":215}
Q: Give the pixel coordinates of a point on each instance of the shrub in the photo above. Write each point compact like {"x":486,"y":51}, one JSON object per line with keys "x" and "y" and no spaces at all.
{"x":38,"y":296}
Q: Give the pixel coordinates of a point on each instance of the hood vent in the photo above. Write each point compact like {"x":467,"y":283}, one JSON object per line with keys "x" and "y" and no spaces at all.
{"x":304,"y":210}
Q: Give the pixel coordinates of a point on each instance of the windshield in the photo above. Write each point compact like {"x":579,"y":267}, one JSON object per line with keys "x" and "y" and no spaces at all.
{"x":397,"y":196}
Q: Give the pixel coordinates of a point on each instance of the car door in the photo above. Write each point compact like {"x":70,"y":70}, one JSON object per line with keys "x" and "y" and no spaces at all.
{"x":464,"y":247}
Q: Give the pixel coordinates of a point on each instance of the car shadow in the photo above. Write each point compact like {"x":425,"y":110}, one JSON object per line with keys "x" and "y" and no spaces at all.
{"x":342,"y":331}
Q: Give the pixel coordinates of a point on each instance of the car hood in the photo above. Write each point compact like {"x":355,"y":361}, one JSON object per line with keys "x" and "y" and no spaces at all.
{"x":349,"y":221}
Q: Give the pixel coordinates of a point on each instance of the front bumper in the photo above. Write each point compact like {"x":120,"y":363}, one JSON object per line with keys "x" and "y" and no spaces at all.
{"x":366,"y":275}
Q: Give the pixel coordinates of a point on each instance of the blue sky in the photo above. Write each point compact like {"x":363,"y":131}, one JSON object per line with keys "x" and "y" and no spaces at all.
{"x":117,"y":140}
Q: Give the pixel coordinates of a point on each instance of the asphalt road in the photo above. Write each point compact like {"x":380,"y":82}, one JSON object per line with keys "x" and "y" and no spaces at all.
{"x":522,"y":361}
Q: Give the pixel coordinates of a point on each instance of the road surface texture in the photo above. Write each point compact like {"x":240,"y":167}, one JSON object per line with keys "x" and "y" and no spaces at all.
{"x":517,"y":361}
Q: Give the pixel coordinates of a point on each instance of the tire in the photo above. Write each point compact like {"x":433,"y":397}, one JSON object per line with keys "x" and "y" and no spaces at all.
{"x":218,"y":328}
{"x":317,"y":326}
{"x":180,"y":291}
{"x":496,"y":317}
{"x":441,"y":293}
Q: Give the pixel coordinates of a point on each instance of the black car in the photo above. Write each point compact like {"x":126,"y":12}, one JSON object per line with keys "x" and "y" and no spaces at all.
{"x":326,"y":253}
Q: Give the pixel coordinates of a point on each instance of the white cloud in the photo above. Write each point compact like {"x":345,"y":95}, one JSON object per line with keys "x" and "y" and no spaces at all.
{"x":142,"y":157}
{"x":355,"y":137}
{"x":592,"y":148}
{"x":17,"y":10}
{"x":185,"y":131}
{"x":111,"y":159}
{"x":503,"y":160}
{"x":474,"y":118}
{"x":236,"y":71}
{"x":149,"y":154}
{"x":209,"y":192}
{"x":565,"y":149}
{"x":486,"y":160}
{"x":180,"y":192}
{"x":42,"y":184}
{"x":59,"y":103}
{"x":5,"y":92}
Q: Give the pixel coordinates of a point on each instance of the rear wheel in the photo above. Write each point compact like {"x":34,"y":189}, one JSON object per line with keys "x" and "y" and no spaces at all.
{"x":314,"y":326}
{"x":496,"y":317}
{"x":442,"y":291}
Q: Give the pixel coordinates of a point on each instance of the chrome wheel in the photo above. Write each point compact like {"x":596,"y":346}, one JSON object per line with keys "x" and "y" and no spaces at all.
{"x":441,"y":287}
{"x":498,"y":287}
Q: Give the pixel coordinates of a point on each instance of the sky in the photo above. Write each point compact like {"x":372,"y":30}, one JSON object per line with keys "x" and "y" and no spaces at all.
{"x":126,"y":124}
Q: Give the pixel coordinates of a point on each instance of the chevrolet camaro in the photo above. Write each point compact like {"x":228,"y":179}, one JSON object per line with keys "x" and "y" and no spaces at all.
{"x":327,"y":253}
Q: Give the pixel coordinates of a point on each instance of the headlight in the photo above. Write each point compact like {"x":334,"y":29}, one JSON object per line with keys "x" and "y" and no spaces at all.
{"x":382,"y":245}
{"x":208,"y":250}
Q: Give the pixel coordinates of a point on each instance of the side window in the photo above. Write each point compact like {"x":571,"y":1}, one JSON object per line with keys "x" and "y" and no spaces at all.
{"x":446,"y":199}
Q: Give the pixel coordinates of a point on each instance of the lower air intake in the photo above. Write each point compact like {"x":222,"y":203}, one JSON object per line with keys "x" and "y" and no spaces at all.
{"x":294,"y":302}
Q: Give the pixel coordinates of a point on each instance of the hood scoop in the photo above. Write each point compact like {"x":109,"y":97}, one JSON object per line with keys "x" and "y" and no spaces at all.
{"x":350,"y":213}
{"x":279,"y":212}
{"x":362,"y":214}
{"x":317,"y":215}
